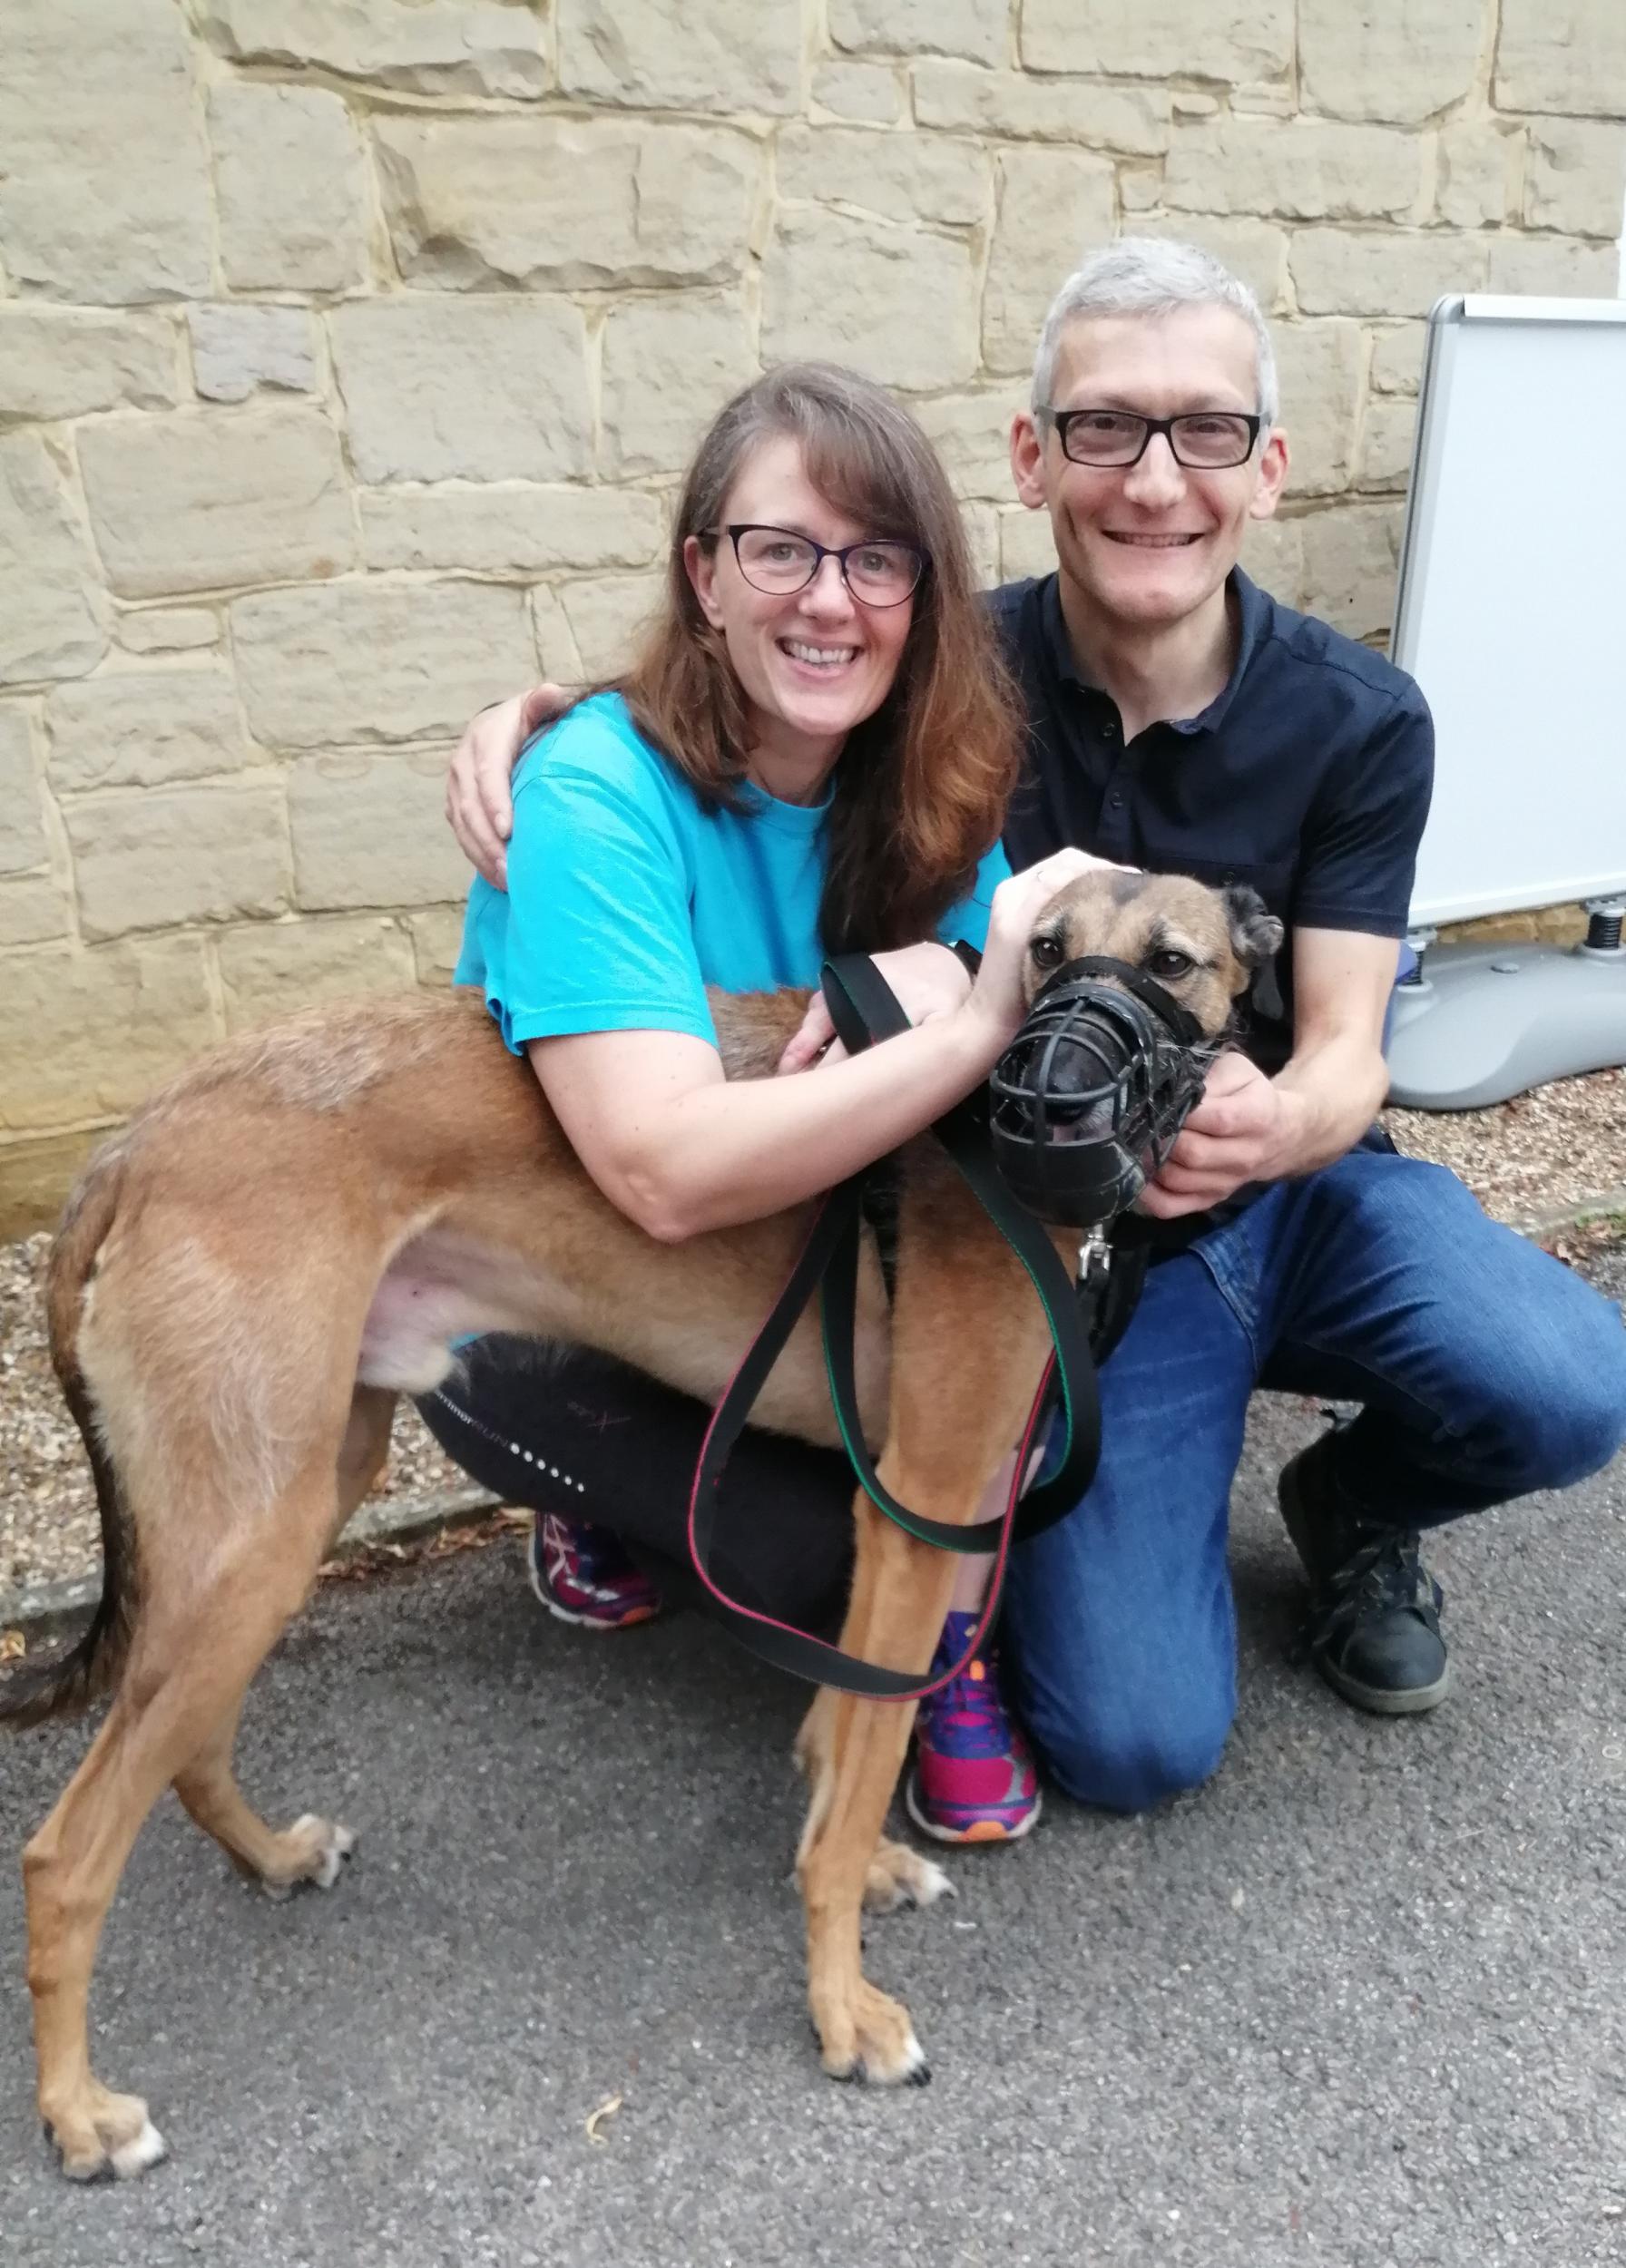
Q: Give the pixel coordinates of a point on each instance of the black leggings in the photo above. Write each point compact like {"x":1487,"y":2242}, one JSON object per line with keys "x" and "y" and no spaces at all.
{"x":566,"y":1431}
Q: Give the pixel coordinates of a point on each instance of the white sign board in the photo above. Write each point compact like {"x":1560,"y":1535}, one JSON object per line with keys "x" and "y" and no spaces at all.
{"x":1511,"y":607}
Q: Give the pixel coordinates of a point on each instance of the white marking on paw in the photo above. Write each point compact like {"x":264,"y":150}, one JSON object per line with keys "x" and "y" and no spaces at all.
{"x":149,"y":2148}
{"x":336,"y":1846}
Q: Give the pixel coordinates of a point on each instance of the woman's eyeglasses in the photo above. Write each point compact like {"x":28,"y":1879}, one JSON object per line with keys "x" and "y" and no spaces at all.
{"x":779,"y":562}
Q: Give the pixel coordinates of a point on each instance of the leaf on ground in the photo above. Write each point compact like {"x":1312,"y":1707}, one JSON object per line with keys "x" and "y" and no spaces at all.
{"x":12,"y":1645}
{"x":605,"y":2110}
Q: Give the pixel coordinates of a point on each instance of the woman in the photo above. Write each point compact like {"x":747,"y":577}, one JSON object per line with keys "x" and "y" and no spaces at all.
{"x":812,"y":755}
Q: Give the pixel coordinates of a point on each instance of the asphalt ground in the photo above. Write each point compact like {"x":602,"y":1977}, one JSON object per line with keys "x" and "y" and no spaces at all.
{"x":1359,"y":2000}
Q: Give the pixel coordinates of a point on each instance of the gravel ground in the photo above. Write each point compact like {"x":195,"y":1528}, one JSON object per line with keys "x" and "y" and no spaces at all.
{"x":1529,"y":1160}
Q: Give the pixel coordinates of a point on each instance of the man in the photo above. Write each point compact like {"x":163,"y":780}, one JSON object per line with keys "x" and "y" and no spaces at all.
{"x":1182,"y":720}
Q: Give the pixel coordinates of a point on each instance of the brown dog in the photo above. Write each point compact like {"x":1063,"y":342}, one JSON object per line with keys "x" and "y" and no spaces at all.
{"x":287,"y":1236}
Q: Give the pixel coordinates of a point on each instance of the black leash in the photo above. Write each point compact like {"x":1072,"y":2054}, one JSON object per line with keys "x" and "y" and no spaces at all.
{"x":864,"y":1009}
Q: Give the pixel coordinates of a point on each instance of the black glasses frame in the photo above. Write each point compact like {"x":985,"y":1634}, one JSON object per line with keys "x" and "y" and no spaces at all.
{"x":1168,"y":427}
{"x":737,"y":528}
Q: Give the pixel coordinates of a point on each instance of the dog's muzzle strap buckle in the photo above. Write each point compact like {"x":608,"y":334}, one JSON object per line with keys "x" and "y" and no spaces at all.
{"x":865,"y":1009}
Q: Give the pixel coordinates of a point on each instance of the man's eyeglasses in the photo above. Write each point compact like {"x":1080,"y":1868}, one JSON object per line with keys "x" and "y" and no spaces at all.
{"x":1202,"y":440}
{"x":778,"y":561}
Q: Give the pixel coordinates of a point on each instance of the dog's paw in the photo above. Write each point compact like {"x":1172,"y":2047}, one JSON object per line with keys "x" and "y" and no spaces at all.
{"x":313,"y":1851}
{"x":900,"y":1877}
{"x":868,"y":2036}
{"x":111,"y":2139}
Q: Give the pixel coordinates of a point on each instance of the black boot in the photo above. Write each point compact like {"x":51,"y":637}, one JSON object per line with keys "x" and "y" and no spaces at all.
{"x":1374,"y":1627}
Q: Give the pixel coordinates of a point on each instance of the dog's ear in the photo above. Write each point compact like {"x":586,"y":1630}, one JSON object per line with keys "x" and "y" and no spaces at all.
{"x":1255,"y":932}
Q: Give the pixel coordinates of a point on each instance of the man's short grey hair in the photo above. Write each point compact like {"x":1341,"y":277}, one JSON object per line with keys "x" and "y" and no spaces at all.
{"x":1148,"y":275}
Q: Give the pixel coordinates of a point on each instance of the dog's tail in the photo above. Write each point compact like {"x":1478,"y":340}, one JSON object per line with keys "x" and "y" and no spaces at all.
{"x":66,"y":1681}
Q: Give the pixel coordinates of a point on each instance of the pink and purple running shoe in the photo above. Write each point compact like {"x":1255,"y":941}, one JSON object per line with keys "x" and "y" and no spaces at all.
{"x":581,"y":1574}
{"x":973,"y":1779}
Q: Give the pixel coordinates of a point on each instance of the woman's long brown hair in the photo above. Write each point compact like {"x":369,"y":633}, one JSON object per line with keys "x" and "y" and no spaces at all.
{"x":921,"y":786}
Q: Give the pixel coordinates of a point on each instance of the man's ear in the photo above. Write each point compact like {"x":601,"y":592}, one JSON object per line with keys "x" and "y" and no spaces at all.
{"x":1255,"y":932}
{"x":1274,"y":460}
{"x":1027,"y":460}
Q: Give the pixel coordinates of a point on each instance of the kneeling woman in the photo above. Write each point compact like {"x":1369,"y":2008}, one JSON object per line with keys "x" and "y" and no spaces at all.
{"x":812,"y":755}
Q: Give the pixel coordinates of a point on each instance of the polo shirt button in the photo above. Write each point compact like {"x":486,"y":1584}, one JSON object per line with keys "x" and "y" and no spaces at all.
{"x":1114,"y":803}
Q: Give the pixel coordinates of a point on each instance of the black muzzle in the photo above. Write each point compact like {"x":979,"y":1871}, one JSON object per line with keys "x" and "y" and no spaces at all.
{"x":1087,"y":1101}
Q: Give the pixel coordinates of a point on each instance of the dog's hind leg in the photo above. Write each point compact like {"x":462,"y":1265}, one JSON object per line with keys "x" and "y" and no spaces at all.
{"x":312,"y":1850}
{"x":201,"y":1633}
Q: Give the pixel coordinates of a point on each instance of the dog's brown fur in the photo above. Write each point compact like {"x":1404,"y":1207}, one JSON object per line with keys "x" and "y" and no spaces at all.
{"x":284,"y":1238}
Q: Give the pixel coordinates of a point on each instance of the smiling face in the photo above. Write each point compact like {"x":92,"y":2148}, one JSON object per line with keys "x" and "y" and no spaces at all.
{"x":812,"y":664}
{"x":1149,"y":543}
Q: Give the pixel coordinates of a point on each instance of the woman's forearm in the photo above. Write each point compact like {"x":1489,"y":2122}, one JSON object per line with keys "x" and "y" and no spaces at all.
{"x":736,"y":1151}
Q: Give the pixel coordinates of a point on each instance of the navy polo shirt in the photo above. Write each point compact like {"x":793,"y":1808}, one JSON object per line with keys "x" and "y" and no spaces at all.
{"x":1309,"y":778}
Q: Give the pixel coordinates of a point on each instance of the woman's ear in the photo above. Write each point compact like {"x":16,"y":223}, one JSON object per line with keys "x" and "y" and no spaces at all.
{"x":700,"y":564}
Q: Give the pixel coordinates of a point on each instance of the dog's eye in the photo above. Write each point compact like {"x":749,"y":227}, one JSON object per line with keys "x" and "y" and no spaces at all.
{"x":1047,"y":952}
{"x":1167,"y":966}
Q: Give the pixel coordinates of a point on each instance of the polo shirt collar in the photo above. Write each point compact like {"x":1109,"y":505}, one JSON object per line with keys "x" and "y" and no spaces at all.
{"x":1253,"y":616}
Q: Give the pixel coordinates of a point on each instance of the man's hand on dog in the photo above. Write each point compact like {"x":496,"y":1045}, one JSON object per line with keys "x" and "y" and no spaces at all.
{"x":1239,"y":1133}
{"x":479,"y":806}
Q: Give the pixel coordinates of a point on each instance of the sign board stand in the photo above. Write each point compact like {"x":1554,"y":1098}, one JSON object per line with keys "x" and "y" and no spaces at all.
{"x":1509,"y":615}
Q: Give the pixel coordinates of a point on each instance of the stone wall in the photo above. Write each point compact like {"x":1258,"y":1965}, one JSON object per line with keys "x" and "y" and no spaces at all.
{"x":350,"y":349}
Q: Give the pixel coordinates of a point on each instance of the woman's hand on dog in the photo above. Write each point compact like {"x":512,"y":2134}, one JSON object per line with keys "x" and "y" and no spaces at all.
{"x":929,"y":981}
{"x":479,"y":807}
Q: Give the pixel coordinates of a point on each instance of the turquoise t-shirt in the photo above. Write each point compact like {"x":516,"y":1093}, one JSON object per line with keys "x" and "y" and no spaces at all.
{"x":626,"y":897}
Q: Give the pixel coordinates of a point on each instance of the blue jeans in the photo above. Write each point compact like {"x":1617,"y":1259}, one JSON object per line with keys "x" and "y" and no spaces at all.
{"x":1485,"y":1369}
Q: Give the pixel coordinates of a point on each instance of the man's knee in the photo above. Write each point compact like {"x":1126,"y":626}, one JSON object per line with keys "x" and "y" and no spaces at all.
{"x":1127,"y":1767}
{"x":1564,"y":1412}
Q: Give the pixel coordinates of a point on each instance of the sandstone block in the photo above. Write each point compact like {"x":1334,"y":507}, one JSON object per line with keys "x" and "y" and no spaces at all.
{"x":167,"y":629}
{"x":53,"y":615}
{"x":1476,"y":175}
{"x":238,"y":349}
{"x":903,"y":177}
{"x":978,"y":30}
{"x":1351,"y":560}
{"x":648,"y":55}
{"x":290,"y":178}
{"x":276,"y":967}
{"x":120,"y":1019}
{"x":1253,"y":250}
{"x":1055,"y":205}
{"x":61,"y":362}
{"x":898,"y":303}
{"x":161,"y":857}
{"x":104,"y":190}
{"x":195,"y":503}
{"x":425,"y":46}
{"x":464,"y":389}
{"x":1226,"y":40}
{"x":511,"y":530}
{"x":1133,"y":120}
{"x":371,"y":831}
{"x":1320,"y":369}
{"x":1273,"y":556}
{"x":436,"y":936}
{"x":377,"y":661}
{"x":1550,"y":264}
{"x":971,"y":434}
{"x":667,"y":365}
{"x":557,"y":648}
{"x":562,"y":202}
{"x":1387,"y":437}
{"x":1025,"y":544}
{"x":34,"y":910}
{"x":1567,"y":56}
{"x":1303,"y":170}
{"x":607,"y":616}
{"x":1360,"y":271}
{"x":145,"y":729}
{"x":1397,"y":358}
{"x":870,"y":91}
{"x":1577,"y":177}
{"x":982,"y":541}
{"x":21,"y":807}
{"x":1139,"y":189}
{"x":1401,"y":60}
